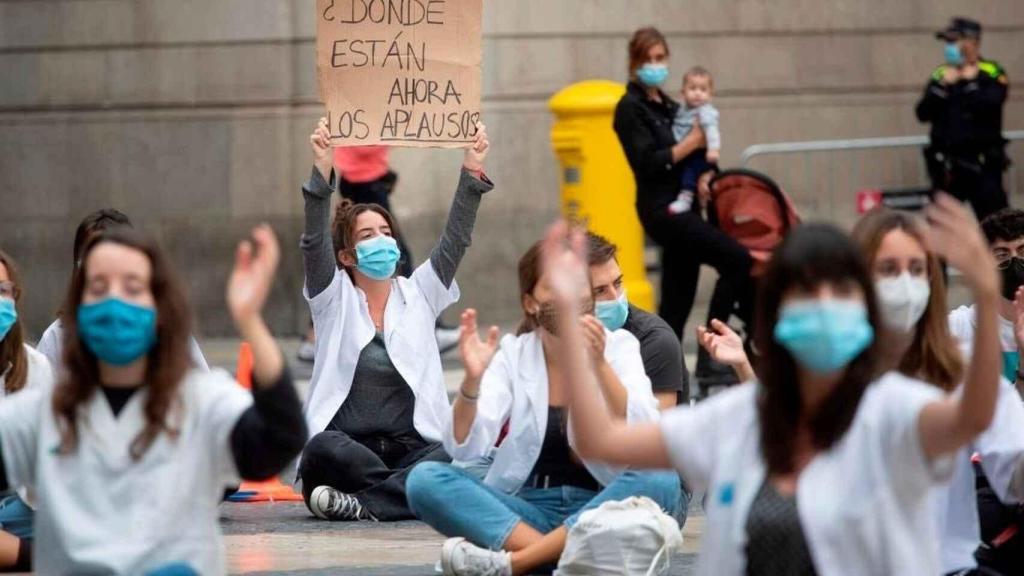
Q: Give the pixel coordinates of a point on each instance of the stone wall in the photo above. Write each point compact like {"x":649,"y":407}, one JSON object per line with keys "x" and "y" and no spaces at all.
{"x":193,"y":115}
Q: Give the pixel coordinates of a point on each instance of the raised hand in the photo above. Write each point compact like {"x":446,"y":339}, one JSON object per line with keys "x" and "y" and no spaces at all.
{"x":593,"y":333}
{"x":564,"y":264}
{"x":1018,"y":318}
{"x":953,"y":233}
{"x":477,"y":153}
{"x":320,"y":142}
{"x":253,"y":274}
{"x":476,"y":353}
{"x":722,"y":343}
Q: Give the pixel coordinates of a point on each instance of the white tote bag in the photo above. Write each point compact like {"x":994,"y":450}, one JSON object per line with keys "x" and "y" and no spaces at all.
{"x":630,"y":537}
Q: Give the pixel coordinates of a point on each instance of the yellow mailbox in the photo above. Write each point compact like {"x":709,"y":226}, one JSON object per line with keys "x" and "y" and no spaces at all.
{"x":598,"y":189}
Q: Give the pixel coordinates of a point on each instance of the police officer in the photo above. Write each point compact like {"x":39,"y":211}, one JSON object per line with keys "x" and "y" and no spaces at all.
{"x":963,"y":101}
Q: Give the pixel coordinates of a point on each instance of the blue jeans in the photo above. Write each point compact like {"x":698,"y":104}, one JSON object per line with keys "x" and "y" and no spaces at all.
{"x":16,"y":518}
{"x":456,"y":503}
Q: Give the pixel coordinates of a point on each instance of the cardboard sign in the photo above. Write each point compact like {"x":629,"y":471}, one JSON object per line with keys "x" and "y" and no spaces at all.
{"x":400,"y":72}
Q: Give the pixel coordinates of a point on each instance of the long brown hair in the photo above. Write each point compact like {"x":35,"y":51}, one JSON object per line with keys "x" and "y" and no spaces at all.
{"x":933,"y":355}
{"x":12,"y":348}
{"x":167,"y":361}
{"x":529,"y":276}
{"x":643,"y":40}
{"x":344,"y":227}
{"x":812,"y":255}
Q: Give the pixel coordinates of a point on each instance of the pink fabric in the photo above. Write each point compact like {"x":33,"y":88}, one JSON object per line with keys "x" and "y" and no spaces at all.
{"x":359,"y":164}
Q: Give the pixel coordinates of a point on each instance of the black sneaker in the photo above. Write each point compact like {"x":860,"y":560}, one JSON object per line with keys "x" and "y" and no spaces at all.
{"x":328,"y":503}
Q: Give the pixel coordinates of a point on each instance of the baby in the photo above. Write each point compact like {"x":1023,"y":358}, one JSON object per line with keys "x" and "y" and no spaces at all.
{"x":698,"y":86}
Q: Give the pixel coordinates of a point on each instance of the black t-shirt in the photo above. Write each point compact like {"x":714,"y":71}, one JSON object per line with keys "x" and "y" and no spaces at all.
{"x":660,"y":350}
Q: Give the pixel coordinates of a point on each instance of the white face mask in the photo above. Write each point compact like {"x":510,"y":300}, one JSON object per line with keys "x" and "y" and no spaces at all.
{"x":902,"y":300}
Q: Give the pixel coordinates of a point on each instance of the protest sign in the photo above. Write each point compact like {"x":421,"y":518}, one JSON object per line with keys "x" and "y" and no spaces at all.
{"x":400,"y":72}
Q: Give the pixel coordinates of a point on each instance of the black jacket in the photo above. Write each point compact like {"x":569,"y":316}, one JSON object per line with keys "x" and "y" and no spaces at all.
{"x":966,"y":117}
{"x":644,"y":128}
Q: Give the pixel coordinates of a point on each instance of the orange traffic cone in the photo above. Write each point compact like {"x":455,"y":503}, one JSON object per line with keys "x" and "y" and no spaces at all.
{"x":271,"y":490}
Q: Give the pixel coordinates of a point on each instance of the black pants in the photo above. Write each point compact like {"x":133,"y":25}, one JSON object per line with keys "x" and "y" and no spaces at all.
{"x":687,"y":241}
{"x":971,"y":181}
{"x":379,"y":192}
{"x":372,"y":470}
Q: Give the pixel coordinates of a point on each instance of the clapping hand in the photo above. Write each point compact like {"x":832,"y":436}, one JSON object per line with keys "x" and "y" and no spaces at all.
{"x":952,"y":233}
{"x":253,"y":274}
{"x":476,"y":353}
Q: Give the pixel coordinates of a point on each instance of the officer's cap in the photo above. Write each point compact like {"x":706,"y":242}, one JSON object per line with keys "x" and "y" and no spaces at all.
{"x":960,"y":28}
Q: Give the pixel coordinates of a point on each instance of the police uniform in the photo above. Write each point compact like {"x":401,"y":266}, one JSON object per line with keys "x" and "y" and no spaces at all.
{"x":966,"y":156}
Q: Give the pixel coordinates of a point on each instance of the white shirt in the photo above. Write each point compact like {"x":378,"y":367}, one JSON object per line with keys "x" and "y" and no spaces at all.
{"x":51,"y":344}
{"x":341,"y":320}
{"x":1001,"y":448}
{"x":514,"y":388}
{"x":99,"y":510}
{"x":862,"y":504}
{"x":39,"y":375}
{"x":962,"y":323}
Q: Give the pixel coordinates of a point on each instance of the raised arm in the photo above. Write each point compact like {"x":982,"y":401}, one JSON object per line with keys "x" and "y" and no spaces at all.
{"x":948,"y":424}
{"x":271,"y":432}
{"x":318,"y":257}
{"x":458,"y":231}
{"x":598,"y":435}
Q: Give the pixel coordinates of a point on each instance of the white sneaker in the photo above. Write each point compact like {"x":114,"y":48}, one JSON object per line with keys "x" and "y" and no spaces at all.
{"x":447,"y":338}
{"x":328,"y":503}
{"x":460,"y":558}
{"x":682,"y":203}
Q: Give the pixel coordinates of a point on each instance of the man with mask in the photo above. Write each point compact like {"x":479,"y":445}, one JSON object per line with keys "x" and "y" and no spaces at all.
{"x":1005,"y":233}
{"x":659,"y":346}
{"x":963,"y":101}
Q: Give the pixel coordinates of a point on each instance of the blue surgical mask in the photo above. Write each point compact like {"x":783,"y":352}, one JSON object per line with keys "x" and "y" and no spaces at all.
{"x":953,"y":55}
{"x":652,"y":75}
{"x":8,"y":316}
{"x":824,"y":335}
{"x":117,"y":332}
{"x":377,"y":257}
{"x":612,"y":313}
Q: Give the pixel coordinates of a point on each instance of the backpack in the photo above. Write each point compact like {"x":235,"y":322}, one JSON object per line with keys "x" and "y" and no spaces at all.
{"x":751,"y":208}
{"x":631,"y":537}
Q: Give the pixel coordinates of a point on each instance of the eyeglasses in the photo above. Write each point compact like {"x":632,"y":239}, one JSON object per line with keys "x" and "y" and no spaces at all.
{"x":8,"y":290}
{"x":1004,"y":256}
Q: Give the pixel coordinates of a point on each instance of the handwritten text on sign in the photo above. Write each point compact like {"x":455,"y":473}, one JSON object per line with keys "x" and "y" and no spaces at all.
{"x":400,"y":72}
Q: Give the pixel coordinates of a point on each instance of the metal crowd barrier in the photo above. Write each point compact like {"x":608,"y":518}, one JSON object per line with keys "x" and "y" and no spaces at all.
{"x":809,"y":172}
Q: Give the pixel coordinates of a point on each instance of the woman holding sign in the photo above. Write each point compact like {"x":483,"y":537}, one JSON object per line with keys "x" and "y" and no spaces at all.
{"x":377,"y":403}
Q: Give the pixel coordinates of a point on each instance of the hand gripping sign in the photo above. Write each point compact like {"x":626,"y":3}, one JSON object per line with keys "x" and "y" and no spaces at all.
{"x":400,"y":72}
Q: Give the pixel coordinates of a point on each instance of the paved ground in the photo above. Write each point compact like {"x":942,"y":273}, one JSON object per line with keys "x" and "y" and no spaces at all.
{"x":284,"y":538}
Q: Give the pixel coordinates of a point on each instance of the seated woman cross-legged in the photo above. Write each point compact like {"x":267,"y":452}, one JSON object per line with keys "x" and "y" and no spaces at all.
{"x":377,"y":401}
{"x":516,"y":518}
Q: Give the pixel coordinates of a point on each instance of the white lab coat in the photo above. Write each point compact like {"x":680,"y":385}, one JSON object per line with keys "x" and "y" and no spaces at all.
{"x":341,"y":320}
{"x":40,"y":374}
{"x":100,"y":511}
{"x":863,"y":504}
{"x":51,"y":344}
{"x":514,"y":388}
